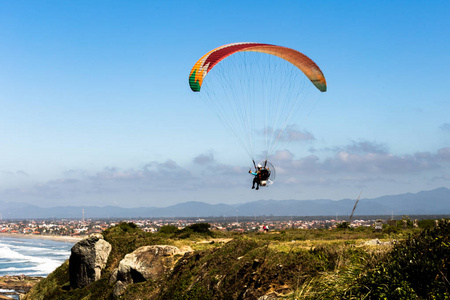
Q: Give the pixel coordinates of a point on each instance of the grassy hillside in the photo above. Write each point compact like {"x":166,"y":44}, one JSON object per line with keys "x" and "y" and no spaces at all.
{"x":293,"y":264}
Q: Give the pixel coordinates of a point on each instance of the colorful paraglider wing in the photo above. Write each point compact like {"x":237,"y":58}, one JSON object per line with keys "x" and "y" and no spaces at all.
{"x":212,"y":58}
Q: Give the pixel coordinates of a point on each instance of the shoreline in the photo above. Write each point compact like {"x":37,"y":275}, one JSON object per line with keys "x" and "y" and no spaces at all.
{"x":56,"y":238}
{"x":16,"y":285}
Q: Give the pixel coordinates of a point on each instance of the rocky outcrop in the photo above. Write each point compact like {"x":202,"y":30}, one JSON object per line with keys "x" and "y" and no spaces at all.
{"x":16,"y":285}
{"x":145,"y":263}
{"x":88,"y":258}
{"x":377,"y":242}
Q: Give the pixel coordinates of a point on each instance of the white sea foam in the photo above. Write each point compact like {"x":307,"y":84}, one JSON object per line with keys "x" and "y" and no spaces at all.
{"x":8,"y":253}
{"x":48,"y":251}
{"x":38,"y":264}
{"x":31,"y":258}
{"x":18,"y":242}
{"x":12,"y":269}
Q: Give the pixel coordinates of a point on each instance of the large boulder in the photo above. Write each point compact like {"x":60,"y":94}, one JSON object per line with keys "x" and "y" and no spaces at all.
{"x":87,"y":259}
{"x":145,"y":263}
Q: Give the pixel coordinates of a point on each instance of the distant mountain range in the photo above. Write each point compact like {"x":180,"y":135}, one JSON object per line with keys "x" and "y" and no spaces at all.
{"x":434,"y":202}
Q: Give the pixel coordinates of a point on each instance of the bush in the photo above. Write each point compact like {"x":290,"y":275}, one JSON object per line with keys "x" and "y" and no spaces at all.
{"x":200,"y":227}
{"x":426,"y":224}
{"x":128,"y":227}
{"x":405,"y":220}
{"x":343,"y":225}
{"x":390,"y":229}
{"x":168,"y":229}
{"x":416,"y":268}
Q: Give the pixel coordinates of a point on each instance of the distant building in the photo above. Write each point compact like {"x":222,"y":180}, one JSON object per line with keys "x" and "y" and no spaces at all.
{"x":378,"y":225}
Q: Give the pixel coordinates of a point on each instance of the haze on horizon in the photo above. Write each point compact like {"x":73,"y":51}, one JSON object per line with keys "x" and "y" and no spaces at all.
{"x":96,"y":108}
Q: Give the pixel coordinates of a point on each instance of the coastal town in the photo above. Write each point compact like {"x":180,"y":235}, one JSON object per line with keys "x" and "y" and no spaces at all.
{"x":80,"y":227}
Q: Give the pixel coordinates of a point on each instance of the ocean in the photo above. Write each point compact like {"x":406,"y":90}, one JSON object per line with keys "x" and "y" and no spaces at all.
{"x":31,"y":257}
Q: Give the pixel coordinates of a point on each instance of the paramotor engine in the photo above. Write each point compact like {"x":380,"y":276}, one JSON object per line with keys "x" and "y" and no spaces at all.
{"x":268,"y":173}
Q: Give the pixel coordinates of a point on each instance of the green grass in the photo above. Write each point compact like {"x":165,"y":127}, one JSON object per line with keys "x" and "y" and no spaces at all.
{"x":291,"y":264}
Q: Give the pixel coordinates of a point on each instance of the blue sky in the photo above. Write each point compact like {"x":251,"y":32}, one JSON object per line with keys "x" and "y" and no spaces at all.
{"x":96,"y":108}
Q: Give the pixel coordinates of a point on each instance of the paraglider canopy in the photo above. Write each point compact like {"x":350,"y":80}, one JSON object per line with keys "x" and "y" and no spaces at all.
{"x":256,"y":89}
{"x":210,"y":59}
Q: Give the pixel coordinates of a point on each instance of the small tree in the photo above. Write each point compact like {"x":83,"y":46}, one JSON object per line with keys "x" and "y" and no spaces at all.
{"x":427,"y":224}
{"x":200,"y":227}
{"x":128,"y":227}
{"x":343,"y":225}
{"x":168,"y":229}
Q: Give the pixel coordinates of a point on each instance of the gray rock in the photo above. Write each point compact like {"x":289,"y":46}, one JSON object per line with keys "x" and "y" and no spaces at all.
{"x":113,"y":276}
{"x":145,"y":263}
{"x":119,"y":289}
{"x":87,"y":259}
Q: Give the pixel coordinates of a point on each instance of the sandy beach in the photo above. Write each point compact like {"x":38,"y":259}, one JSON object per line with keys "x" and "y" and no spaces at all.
{"x":70,"y":239}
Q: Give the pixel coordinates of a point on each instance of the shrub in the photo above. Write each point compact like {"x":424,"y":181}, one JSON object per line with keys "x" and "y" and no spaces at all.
{"x":426,"y":224}
{"x":390,"y":229}
{"x":200,"y":227}
{"x":168,"y":229}
{"x":343,"y":225}
{"x":416,"y":268}
{"x":197,"y":228}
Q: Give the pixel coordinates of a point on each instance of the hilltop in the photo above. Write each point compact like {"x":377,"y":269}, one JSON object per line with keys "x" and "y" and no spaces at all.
{"x":289,"y":264}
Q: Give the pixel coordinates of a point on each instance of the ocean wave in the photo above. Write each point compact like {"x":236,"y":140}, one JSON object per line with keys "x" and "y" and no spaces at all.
{"x":8,"y":253}
{"x":31,"y":270}
{"x":31,"y":260}
{"x":13,"y":269}
{"x":48,"y":251}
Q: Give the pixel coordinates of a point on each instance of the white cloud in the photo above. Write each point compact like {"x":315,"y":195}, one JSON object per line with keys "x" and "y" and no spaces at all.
{"x":19,"y":173}
{"x":283,"y":155}
{"x":444,"y":154}
{"x":204,"y":159}
{"x":366,"y":147}
{"x":359,"y":162}
{"x":289,"y":134}
{"x":355,"y":166}
{"x":293,"y":134}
